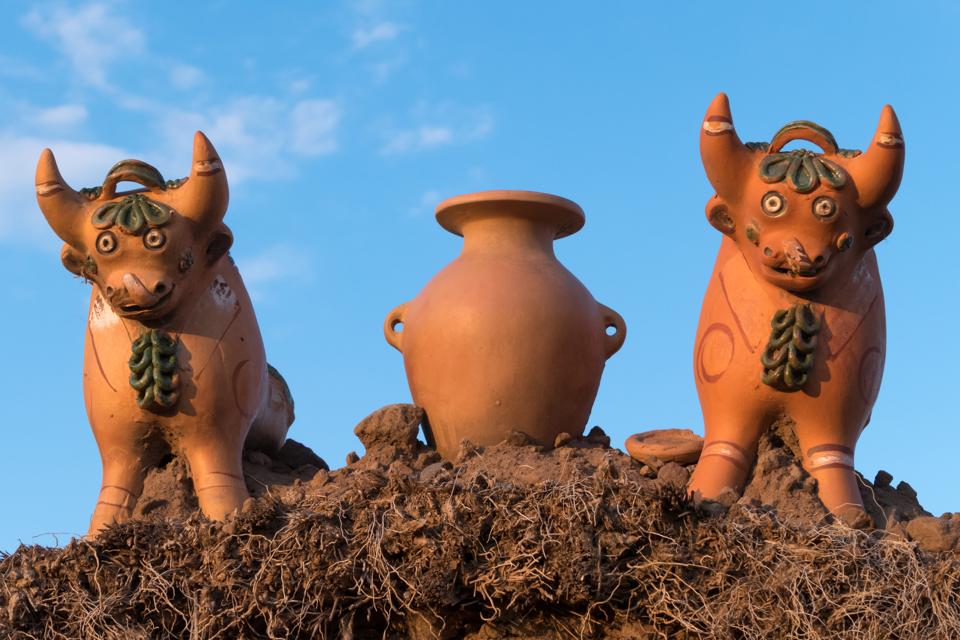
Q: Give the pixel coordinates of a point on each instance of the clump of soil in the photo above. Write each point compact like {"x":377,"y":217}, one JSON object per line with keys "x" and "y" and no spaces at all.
{"x":509,"y":541}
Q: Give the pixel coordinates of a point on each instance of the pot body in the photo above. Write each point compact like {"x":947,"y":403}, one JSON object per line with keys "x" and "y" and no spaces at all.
{"x":505,"y":338}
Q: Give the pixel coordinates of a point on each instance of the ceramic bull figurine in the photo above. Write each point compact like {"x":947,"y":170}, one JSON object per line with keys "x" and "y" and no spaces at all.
{"x":173,"y":359}
{"x":793,"y":318}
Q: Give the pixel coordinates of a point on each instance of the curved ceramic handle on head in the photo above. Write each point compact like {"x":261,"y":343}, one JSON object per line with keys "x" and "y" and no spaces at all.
{"x":395,"y":317}
{"x":612,"y":319}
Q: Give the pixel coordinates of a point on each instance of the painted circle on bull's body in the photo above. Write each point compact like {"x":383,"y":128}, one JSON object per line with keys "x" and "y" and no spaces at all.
{"x":246,"y":385}
{"x":871,"y":372}
{"x":715,"y":352}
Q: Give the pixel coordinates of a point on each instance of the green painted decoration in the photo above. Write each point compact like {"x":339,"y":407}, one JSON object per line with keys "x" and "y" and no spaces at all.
{"x":89,"y":269}
{"x":153,"y":370}
{"x":788,"y":358}
{"x":802,"y":169}
{"x":136,"y":171}
{"x":133,"y":214}
{"x":133,"y":171}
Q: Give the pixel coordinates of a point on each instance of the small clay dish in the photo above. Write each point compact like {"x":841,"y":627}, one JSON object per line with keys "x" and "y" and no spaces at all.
{"x":665,"y":445}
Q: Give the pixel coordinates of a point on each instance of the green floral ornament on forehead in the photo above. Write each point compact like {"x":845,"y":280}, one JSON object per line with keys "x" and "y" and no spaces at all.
{"x":802,"y":169}
{"x":133,"y":214}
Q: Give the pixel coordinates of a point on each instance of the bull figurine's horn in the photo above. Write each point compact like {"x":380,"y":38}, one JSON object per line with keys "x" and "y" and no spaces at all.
{"x":204,"y":196}
{"x":60,"y":204}
{"x":878,"y":170}
{"x":725,"y":158}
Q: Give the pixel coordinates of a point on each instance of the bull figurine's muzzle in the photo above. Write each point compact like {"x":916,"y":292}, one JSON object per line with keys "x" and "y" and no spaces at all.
{"x":134,"y":297}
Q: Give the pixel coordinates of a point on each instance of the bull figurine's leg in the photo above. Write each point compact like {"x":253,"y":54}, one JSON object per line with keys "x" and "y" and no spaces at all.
{"x":828,"y":456}
{"x":122,"y":485}
{"x":218,"y":478}
{"x":831,"y":463}
{"x":729,"y":449}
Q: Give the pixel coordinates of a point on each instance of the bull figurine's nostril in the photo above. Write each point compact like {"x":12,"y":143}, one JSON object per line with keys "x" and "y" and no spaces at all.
{"x":110,"y":291}
{"x":818,"y":260}
{"x":767,"y":251}
{"x":160,"y":288}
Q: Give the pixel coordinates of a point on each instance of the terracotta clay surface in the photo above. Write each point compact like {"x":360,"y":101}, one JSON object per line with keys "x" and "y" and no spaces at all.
{"x":793,"y":318}
{"x":665,"y":445}
{"x":173,"y":358}
{"x":505,"y":338}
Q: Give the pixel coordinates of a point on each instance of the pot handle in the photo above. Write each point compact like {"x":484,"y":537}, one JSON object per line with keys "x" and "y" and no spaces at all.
{"x":613,"y":320}
{"x":395,"y":317}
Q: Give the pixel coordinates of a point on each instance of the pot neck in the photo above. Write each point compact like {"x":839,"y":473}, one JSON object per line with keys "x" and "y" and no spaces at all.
{"x":508,"y":234}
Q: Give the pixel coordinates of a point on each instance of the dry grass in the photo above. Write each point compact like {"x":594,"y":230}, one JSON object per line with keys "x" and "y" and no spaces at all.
{"x":597,"y":556}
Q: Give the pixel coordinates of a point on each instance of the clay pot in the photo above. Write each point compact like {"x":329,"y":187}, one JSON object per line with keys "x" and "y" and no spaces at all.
{"x":658,"y":447}
{"x":505,"y":338}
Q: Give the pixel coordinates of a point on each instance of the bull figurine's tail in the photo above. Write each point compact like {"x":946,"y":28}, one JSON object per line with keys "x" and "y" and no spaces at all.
{"x":269,"y":429}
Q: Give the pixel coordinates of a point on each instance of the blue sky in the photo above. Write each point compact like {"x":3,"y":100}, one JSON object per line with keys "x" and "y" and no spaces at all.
{"x":342,"y":124}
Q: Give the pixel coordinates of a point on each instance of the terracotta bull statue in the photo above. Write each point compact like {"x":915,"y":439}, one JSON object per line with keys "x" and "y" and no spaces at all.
{"x":173,"y":360}
{"x":793,"y":319}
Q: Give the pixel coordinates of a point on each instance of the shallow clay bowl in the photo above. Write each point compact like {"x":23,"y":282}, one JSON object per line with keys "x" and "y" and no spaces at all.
{"x":665,"y":445}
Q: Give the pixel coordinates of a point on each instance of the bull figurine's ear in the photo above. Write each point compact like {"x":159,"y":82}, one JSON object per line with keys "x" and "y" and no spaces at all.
{"x":880,"y":228}
{"x":718,"y":215}
{"x":61,"y":205}
{"x":204,"y":196}
{"x":878,"y":170}
{"x":220,"y":242}
{"x":725,"y":159}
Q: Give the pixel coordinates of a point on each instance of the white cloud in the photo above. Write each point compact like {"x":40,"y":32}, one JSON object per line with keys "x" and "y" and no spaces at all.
{"x":443,"y":126}
{"x":382,"y":32}
{"x":65,"y":115}
{"x":258,"y":137}
{"x":383,"y":69}
{"x":278,"y":263}
{"x":185,"y":76}
{"x":428,"y":200}
{"x":314,"y":127}
{"x":91,"y":37}
{"x":300,"y":85}
{"x":82,"y":164}
{"x":423,"y":137}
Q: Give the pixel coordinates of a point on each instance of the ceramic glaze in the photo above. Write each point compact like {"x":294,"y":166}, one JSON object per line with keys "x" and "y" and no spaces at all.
{"x":505,"y":338}
{"x":793,"y":319}
{"x":173,"y":358}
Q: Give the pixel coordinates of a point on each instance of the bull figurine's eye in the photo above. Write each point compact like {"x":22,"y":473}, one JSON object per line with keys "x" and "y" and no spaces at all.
{"x":824,"y":207}
{"x":154,"y":239}
{"x":773,"y":204}
{"x":106,"y":243}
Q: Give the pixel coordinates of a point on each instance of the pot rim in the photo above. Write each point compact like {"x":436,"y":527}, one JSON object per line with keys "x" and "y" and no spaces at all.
{"x":565,"y":214}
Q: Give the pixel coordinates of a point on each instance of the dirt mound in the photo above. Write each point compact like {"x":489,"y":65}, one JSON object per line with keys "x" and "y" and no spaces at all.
{"x":510,"y":541}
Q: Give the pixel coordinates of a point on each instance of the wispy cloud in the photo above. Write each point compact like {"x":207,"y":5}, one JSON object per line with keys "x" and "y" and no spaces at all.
{"x":185,"y":76}
{"x":382,"y":32}
{"x":65,"y":115}
{"x":440,"y":126}
{"x":258,"y":137}
{"x":81,"y":163}
{"x":280,"y":263}
{"x":422,"y":137}
{"x":314,"y":127}
{"x":428,"y":200}
{"x":91,"y":36}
